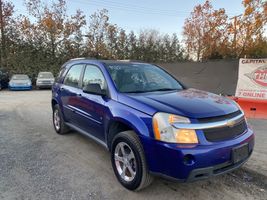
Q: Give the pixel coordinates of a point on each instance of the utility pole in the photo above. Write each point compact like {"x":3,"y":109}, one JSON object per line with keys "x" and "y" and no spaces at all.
{"x":3,"y":42}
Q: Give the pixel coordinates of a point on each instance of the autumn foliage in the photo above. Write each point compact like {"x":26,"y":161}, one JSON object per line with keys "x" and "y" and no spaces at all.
{"x":210,"y":33}
{"x":47,"y":35}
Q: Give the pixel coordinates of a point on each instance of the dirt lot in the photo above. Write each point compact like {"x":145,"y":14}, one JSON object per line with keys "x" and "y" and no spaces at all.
{"x":36,"y":163}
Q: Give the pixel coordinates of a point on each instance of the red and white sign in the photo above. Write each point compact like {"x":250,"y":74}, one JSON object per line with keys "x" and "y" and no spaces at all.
{"x":252,"y":79}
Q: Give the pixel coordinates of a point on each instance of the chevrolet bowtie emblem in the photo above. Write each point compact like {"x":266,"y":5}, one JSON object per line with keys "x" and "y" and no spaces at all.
{"x":231,"y":123}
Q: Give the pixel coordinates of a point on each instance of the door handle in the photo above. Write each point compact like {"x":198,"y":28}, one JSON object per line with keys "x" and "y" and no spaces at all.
{"x":79,"y":95}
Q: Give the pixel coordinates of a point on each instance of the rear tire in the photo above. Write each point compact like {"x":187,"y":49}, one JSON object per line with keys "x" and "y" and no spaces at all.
{"x":128,"y":161}
{"x":59,"y":124}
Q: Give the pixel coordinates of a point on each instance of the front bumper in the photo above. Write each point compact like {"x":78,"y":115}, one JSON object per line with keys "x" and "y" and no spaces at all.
{"x":205,"y":160}
{"x":207,"y":172}
{"x":20,"y":87}
{"x":44,"y":85}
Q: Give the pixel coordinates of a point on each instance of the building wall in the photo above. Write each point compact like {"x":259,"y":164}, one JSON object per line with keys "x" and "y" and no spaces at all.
{"x":215,"y":76}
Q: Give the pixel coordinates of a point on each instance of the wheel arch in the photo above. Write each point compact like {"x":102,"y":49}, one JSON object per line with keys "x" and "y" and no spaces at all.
{"x":119,"y":124}
{"x":54,"y":102}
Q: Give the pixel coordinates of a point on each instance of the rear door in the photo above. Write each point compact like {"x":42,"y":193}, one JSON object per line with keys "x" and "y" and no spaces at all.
{"x":70,"y":93}
{"x":92,"y":106}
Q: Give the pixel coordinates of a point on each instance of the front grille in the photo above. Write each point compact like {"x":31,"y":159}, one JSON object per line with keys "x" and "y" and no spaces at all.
{"x":225,"y":133}
{"x":46,"y":82}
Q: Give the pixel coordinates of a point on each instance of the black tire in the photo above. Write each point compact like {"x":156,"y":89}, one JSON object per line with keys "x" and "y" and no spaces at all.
{"x":63,"y":128}
{"x":142,"y":177}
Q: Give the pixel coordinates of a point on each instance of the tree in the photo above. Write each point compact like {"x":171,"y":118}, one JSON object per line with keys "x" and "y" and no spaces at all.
{"x":246,"y":30}
{"x":122,"y":47}
{"x":204,"y":31}
{"x":209,"y":34}
{"x":6,"y":27}
{"x":132,"y":45}
{"x":98,"y":26}
{"x":46,"y":37}
{"x":53,"y":27}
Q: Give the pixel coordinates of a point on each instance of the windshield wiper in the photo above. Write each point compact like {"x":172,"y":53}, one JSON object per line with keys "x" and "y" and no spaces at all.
{"x":137,"y":91}
{"x":162,"y":89}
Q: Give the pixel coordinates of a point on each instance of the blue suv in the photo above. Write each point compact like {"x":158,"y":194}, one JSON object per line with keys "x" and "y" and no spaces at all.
{"x":150,"y":122}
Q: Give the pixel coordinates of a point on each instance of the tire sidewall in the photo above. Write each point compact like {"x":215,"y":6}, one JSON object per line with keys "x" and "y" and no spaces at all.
{"x":134,"y":184}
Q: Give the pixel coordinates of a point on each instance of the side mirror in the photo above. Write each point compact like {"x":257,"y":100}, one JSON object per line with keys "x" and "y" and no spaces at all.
{"x":94,"y":88}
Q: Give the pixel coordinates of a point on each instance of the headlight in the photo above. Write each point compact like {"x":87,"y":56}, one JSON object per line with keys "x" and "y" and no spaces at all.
{"x":28,"y":83}
{"x":164,"y":131}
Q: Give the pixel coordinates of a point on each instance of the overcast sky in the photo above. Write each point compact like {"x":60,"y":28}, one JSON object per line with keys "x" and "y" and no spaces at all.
{"x":167,"y":16}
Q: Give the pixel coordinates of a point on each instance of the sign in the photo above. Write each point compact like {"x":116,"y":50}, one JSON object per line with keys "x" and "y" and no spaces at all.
{"x":252,"y":79}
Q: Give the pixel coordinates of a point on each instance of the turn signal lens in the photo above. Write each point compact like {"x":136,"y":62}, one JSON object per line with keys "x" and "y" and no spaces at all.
{"x":156,"y":129}
{"x":186,"y":136}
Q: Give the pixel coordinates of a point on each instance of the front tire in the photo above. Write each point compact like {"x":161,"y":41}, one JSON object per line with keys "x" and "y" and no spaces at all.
{"x":128,"y":161}
{"x":59,"y":125}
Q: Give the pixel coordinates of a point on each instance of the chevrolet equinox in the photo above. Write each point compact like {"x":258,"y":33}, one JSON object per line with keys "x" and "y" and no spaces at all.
{"x":150,"y":122}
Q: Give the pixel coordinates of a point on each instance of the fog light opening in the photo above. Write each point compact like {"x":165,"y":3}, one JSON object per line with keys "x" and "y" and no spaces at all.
{"x":189,"y":160}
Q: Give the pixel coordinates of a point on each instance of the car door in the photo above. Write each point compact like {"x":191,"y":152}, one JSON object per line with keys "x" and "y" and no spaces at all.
{"x":70,"y":93}
{"x":92,"y":106}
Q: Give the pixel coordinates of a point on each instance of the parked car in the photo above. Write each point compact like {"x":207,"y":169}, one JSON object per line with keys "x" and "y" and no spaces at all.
{"x":45,"y":80}
{"x":150,"y":122}
{"x":20,"y":82}
{"x":4,"y":78}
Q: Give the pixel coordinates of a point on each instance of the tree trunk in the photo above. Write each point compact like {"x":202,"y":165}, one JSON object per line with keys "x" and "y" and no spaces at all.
{"x":3,"y":39}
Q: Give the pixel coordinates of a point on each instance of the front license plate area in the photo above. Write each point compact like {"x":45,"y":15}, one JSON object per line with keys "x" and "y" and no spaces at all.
{"x":240,"y":153}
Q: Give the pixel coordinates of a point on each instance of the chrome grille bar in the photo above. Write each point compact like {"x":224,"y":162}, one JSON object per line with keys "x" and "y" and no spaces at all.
{"x":224,"y":123}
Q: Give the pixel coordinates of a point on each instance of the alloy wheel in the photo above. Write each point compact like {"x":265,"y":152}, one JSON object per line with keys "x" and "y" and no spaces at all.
{"x":57,"y":120}
{"x":125,"y":161}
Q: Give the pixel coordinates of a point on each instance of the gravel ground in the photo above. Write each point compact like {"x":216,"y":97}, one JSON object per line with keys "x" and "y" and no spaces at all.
{"x":36,"y":163}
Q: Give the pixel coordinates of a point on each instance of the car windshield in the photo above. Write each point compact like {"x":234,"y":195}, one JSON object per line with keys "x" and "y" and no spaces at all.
{"x":20,"y":77}
{"x":138,"y":78}
{"x":45,"y":75}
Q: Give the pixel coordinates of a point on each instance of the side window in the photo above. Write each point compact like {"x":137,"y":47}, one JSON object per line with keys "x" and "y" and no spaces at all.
{"x":60,"y":74}
{"x":73,"y":76}
{"x":93,"y":74}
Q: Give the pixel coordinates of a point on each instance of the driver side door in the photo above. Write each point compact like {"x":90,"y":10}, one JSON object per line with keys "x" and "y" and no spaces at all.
{"x":92,"y":106}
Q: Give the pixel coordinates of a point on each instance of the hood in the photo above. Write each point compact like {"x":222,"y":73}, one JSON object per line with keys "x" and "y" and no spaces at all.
{"x":191,"y":103}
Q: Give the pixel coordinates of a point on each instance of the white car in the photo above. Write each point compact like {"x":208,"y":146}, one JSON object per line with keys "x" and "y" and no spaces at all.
{"x":45,"y":80}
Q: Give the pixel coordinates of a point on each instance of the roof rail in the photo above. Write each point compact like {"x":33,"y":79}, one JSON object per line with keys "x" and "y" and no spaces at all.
{"x":129,"y":60}
{"x":81,"y":58}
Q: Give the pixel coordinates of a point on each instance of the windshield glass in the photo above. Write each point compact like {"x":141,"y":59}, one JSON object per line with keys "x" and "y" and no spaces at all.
{"x":20,"y":77}
{"x":133,"y":78}
{"x":45,"y":75}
